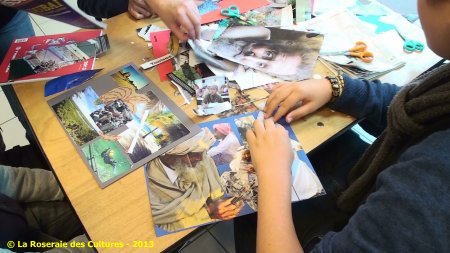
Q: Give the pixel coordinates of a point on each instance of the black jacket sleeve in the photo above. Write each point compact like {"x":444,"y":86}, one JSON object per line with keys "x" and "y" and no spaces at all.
{"x":103,"y":8}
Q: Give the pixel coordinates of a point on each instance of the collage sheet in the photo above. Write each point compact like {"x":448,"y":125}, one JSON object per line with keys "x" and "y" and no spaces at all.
{"x":120,"y":121}
{"x":200,"y":180}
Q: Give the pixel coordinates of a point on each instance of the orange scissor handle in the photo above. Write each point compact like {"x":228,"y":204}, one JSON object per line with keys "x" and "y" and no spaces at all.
{"x":360,"y":46}
{"x":363,"y":56}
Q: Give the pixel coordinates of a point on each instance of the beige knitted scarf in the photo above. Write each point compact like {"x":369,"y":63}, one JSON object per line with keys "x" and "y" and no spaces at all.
{"x":418,"y":110}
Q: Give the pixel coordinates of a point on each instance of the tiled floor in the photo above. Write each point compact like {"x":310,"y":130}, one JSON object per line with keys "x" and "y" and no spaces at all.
{"x":12,"y":130}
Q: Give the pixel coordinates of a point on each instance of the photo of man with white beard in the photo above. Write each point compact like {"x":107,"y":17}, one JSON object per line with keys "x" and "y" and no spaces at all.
{"x":185,"y":189}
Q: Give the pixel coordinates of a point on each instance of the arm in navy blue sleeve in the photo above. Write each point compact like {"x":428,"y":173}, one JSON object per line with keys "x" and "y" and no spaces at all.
{"x":368,"y":100}
{"x":409,"y":209}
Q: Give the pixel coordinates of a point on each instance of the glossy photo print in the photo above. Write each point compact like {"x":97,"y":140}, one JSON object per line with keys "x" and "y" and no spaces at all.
{"x":185,"y":189}
{"x":106,"y":159}
{"x":286,"y":54}
{"x":212,"y":95}
{"x":116,"y":128}
{"x":192,"y":184}
{"x":74,"y":114}
{"x":156,"y":128}
{"x":130,"y":77}
{"x":112,"y":116}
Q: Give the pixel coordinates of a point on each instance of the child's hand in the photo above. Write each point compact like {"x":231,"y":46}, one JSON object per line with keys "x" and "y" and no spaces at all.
{"x":271,"y":152}
{"x":180,"y":16}
{"x":296,"y":100}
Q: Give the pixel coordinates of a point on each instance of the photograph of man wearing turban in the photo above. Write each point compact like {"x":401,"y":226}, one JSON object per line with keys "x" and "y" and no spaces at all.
{"x":185,"y":189}
{"x":228,"y":146}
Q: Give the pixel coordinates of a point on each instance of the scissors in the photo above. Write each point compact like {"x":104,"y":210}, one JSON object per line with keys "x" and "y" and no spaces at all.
{"x":358,"y":51}
{"x":233,"y":12}
{"x":410,"y":46}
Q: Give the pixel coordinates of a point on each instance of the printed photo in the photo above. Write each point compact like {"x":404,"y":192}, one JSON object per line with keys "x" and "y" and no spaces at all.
{"x":74,"y":113}
{"x":112,"y":116}
{"x":106,"y":159}
{"x":286,"y":54}
{"x":130,"y":77}
{"x":185,"y":188}
{"x":44,"y":60}
{"x":240,"y":181}
{"x":185,"y":74}
{"x":243,"y":124}
{"x":153,"y":127}
{"x":265,"y":16}
{"x":212,"y":95}
{"x":208,"y":6}
{"x":280,"y":3}
{"x":242,"y":103}
{"x":187,"y":183}
{"x":228,"y":145}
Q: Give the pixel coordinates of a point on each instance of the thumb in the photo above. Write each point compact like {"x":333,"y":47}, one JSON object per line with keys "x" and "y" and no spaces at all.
{"x":300,"y":112}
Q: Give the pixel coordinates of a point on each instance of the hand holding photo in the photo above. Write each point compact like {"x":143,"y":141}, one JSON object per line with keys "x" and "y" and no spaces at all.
{"x":212,"y":95}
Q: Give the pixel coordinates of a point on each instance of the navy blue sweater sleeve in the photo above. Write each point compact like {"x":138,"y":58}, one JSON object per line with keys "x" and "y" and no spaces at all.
{"x":366,"y":99}
{"x":409,"y":209}
{"x":103,"y":8}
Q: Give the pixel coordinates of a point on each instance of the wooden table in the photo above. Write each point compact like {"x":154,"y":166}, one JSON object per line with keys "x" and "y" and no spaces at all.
{"x":121,"y":211}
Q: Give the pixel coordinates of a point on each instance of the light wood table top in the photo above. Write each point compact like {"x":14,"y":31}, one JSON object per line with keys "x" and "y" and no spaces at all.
{"x":121,"y":211}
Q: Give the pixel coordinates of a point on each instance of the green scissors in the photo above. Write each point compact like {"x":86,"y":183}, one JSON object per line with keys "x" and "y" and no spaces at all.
{"x":410,"y":46}
{"x":233,"y":12}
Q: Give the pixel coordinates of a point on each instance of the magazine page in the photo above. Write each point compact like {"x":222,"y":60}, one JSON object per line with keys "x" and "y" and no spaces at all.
{"x":286,"y":54}
{"x":210,"y":177}
{"x":333,"y":25}
{"x":120,"y":121}
{"x":42,"y":51}
{"x":59,"y":10}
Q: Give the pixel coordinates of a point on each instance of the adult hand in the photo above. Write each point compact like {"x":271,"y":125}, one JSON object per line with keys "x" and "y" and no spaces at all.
{"x":139,"y":9}
{"x":224,"y":209}
{"x":296,"y":100}
{"x":180,"y":16}
{"x":271,"y":153}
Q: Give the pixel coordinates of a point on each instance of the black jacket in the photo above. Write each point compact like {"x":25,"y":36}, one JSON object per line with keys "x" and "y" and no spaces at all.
{"x":103,"y":8}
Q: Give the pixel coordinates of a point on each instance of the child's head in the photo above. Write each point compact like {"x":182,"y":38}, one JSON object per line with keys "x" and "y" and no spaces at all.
{"x":435,"y":19}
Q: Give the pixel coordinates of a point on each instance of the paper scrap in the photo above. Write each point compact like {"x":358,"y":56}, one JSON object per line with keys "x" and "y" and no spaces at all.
{"x":66,"y":82}
{"x":243,"y":6}
{"x":160,"y":41}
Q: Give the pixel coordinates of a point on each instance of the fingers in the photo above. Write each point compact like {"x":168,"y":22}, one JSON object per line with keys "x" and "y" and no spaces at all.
{"x":138,"y":9}
{"x":176,"y":29}
{"x":185,"y":23}
{"x":287,"y":105}
{"x":140,"y":3}
{"x":195,"y":21}
{"x":250,"y":137}
{"x":274,"y":101}
{"x":259,"y":128}
{"x":135,"y":14}
{"x":269,"y":124}
{"x":300,"y":112}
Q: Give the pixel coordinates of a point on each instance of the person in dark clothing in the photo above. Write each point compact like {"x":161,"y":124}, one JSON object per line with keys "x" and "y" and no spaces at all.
{"x":180,"y":16}
{"x":396,"y":195}
{"x":33,"y":208}
{"x":103,"y":8}
{"x":14,"y":24}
